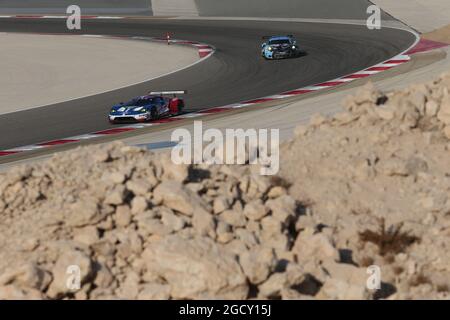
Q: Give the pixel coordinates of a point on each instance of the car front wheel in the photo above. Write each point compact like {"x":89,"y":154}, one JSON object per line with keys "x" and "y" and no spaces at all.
{"x":154,"y":114}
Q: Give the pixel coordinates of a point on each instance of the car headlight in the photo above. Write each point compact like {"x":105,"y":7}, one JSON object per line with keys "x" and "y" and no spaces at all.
{"x":269,"y":48}
{"x":294,"y":47}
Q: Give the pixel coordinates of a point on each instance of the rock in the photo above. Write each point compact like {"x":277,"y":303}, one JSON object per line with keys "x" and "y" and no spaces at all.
{"x":124,"y":252}
{"x":171,"y":220}
{"x":87,"y":235}
{"x":61,"y":284}
{"x":418,"y":99}
{"x":106,"y":224}
{"x":233,"y":218}
{"x":83,"y":293}
{"x":259,"y":186}
{"x":254,"y":226}
{"x":255,"y":210}
{"x":346,"y":272}
{"x":103,"y":248}
{"x":83,"y":213}
{"x":271,"y":226}
{"x":13,"y":292}
{"x":224,"y":232}
{"x":172,"y":171}
{"x":247,"y":237}
{"x":154,"y":291}
{"x":431,"y":108}
{"x":305,"y":221}
{"x":280,"y":242}
{"x":220,"y":204}
{"x":149,"y":226}
{"x":444,"y":112}
{"x":273,"y":286}
{"x":27,"y":276}
{"x":204,"y":223}
{"x":177,"y":197}
{"x":238,"y":207}
{"x":277,"y":282}
{"x":30,"y":244}
{"x":283,"y":208}
{"x":101,"y":294}
{"x":123,"y":216}
{"x":366,"y":94}
{"x":258,"y":263}
{"x":138,"y":205}
{"x":344,"y":118}
{"x":195,"y":187}
{"x":115,"y":177}
{"x":196,"y":268}
{"x":346,"y":282}
{"x":340,"y":290}
{"x":244,"y":184}
{"x":134,"y":240}
{"x":385,"y":113}
{"x":447,"y":131}
{"x":236,"y":247}
{"x":276,"y":192}
{"x":291,"y":294}
{"x":395,"y":167}
{"x":317,"y":120}
{"x":103,"y":276}
{"x":140,"y":187}
{"x":101,"y":156}
{"x":318,"y":246}
{"x":129,"y":288}
{"x":116,"y":196}
{"x":410,"y":116}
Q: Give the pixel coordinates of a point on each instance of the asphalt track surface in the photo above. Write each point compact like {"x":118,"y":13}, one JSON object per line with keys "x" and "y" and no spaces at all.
{"x":313,"y":9}
{"x":235,"y":73}
{"x":322,"y":9}
{"x":332,"y":9}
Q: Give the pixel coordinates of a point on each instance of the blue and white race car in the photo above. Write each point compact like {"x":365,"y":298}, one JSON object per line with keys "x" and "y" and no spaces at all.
{"x":155,"y":105}
{"x":280,"y":47}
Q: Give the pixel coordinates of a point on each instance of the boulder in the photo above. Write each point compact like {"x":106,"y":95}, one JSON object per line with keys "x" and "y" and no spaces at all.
{"x":196,"y":268}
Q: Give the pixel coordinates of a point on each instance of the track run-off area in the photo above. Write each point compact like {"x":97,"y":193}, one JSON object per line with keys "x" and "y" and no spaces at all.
{"x":234,"y":73}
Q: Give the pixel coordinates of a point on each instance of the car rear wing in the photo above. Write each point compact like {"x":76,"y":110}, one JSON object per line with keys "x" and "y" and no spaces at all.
{"x":268,"y":37}
{"x":163,"y":93}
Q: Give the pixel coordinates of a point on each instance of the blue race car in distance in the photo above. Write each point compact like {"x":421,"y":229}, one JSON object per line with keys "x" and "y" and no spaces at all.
{"x":280,"y":47}
{"x":153,"y":106}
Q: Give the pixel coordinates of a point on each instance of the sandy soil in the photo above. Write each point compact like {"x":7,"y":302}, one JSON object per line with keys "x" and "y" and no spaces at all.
{"x":440,"y":35}
{"x":44,"y":69}
{"x":422,"y":15}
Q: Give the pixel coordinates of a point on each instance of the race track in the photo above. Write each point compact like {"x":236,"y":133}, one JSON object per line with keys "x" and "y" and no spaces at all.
{"x":234,"y":73}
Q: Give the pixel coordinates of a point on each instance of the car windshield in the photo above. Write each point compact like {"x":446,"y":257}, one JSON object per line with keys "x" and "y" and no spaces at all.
{"x":141,"y":102}
{"x":280,"y":41}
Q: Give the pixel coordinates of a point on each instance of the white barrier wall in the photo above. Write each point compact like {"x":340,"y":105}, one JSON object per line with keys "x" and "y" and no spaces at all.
{"x":112,"y":7}
{"x":174,"y":7}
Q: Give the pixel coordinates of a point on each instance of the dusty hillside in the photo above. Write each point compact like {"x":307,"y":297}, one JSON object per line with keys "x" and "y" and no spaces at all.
{"x":370,"y":186}
{"x":441,"y":34}
{"x":377,"y":177}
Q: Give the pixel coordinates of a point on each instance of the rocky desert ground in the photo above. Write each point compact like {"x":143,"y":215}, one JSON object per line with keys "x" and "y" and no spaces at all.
{"x":369,"y":186}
